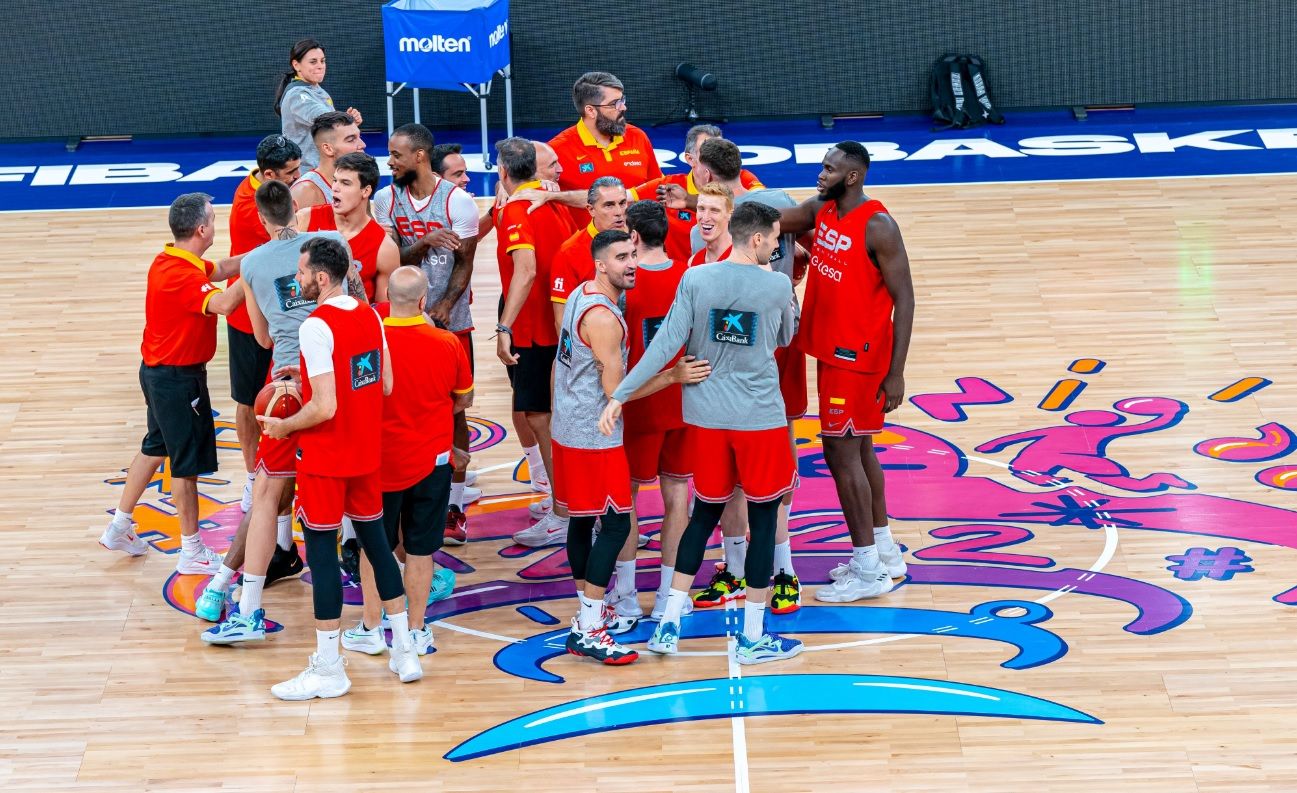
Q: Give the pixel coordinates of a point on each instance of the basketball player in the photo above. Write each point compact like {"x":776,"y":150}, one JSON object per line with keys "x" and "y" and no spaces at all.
{"x":857,"y":322}
{"x":600,"y":143}
{"x":374,"y":253}
{"x":733,"y":314}
{"x":591,"y":477}
{"x":679,"y":191}
{"x":656,"y":439}
{"x":180,"y":307}
{"x":715,"y":203}
{"x":335,"y":133}
{"x":719,"y":163}
{"x":346,"y":370}
{"x":278,"y":160}
{"x":448,"y":163}
{"x":277,"y":311}
{"x":431,"y":381}
{"x":435,"y":224}
{"x":606,"y":204}
{"x":526,"y":341}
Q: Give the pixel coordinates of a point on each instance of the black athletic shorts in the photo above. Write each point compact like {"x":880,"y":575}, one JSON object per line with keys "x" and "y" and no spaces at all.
{"x":180,"y":422}
{"x":416,"y":516}
{"x":249,"y":366}
{"x":531,"y":377}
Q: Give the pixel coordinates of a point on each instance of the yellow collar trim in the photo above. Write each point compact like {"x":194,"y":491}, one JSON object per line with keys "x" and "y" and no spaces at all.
{"x":588,"y":139}
{"x":181,"y":253}
{"x":253,"y":180}
{"x":532,"y":185}
{"x":689,"y":184}
{"x":591,"y":230}
{"x":404,"y":322}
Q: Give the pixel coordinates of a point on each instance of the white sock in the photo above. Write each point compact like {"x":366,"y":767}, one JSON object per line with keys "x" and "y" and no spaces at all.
{"x":121,"y":520}
{"x":664,"y":586}
{"x":535,"y":463}
{"x":676,"y":601}
{"x":190,"y":543}
{"x":252,"y":477}
{"x":348,"y":530}
{"x":457,"y":495}
{"x":400,"y":628}
{"x":250,"y":600}
{"x":866,"y":557}
{"x":883,"y":534}
{"x":625,"y":578}
{"x":284,"y":532}
{"x":591,"y":613}
{"x":326,"y":645}
{"x":784,"y":558}
{"x":754,"y":620}
{"x":221,"y":581}
{"x":736,"y":553}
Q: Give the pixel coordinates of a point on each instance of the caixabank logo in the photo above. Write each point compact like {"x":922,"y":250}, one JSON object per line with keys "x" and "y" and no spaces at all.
{"x":1062,"y":474}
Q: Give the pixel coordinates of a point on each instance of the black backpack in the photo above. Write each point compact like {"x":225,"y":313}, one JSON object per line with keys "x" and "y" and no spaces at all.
{"x":960,"y":96}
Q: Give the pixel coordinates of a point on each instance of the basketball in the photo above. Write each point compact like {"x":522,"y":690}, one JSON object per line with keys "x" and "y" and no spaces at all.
{"x":278,"y":399}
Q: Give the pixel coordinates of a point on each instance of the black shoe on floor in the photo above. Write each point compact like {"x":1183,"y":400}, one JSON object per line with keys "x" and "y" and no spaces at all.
{"x":284,"y":564}
{"x":350,"y":559}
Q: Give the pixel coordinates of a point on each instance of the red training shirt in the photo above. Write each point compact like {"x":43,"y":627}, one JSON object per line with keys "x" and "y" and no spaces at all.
{"x":246,"y":233}
{"x":543,"y":231}
{"x":629,"y":157}
{"x":178,"y":331}
{"x":573,"y":266}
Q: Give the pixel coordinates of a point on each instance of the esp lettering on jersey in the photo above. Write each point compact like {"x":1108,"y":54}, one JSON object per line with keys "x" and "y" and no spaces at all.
{"x":732,"y":326}
{"x":364,"y":370}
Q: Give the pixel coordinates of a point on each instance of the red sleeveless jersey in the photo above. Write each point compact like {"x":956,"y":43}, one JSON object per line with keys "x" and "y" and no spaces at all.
{"x":646,"y":306}
{"x":364,"y":246}
{"x":700,"y":257}
{"x":350,"y":443}
{"x":847,"y":315}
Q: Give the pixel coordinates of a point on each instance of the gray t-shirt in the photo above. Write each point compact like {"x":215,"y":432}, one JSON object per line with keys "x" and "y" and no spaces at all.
{"x":733,"y":316}
{"x":300,"y":105}
{"x":781,"y":261}
{"x":270,"y":270}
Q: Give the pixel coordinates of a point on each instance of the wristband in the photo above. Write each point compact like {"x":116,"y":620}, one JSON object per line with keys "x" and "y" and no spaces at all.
{"x":502,"y":328}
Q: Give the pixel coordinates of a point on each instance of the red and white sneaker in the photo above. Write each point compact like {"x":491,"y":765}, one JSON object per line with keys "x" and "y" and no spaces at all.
{"x":456,"y":527}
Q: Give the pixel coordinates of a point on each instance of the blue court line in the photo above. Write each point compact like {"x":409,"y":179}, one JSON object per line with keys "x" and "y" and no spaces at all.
{"x":1032,"y":146}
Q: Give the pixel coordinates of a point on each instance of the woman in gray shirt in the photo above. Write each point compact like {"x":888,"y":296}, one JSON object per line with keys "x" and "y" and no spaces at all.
{"x":301,"y":98}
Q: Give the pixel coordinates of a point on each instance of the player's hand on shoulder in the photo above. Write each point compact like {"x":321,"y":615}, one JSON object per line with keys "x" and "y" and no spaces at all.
{"x":672,"y":196}
{"x":538,"y":198}
{"x":690,"y":371}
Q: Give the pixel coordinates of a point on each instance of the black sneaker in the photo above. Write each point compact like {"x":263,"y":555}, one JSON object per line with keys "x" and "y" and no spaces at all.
{"x":350,"y":559}
{"x":284,"y":564}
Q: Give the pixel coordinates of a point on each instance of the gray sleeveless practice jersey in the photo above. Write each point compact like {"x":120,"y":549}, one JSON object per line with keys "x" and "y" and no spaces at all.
{"x":578,"y":387}
{"x":396,"y":208}
{"x":270,"y":270}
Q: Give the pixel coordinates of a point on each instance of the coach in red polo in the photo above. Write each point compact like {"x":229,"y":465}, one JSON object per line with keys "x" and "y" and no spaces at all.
{"x":180,"y":308}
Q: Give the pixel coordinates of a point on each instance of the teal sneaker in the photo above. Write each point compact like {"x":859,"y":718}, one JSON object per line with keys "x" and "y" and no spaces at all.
{"x":210,"y":605}
{"x":238,"y":628}
{"x":443,"y":584}
{"x":666,"y":639}
{"x":770,"y":647}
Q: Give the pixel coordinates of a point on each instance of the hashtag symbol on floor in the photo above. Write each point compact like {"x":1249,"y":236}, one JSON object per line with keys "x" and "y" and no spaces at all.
{"x":1221,"y":564}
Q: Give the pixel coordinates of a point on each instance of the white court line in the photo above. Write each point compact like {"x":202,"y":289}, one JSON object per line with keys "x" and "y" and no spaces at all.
{"x":471,"y":632}
{"x":738,"y":724}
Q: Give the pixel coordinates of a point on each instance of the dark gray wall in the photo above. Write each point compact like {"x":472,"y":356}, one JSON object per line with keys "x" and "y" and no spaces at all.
{"x":164,"y":67}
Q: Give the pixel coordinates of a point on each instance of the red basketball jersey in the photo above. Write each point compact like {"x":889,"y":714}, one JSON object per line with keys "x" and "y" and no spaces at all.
{"x":646,"y":306}
{"x":364,"y":246}
{"x":847,"y":315}
{"x":350,"y":443}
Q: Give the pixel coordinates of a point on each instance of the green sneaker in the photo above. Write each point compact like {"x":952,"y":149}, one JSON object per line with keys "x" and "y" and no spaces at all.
{"x":721,"y":589}
{"x":787,"y":595}
{"x":211,"y":605}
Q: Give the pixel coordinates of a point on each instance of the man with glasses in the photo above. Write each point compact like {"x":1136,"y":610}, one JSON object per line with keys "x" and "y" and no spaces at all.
{"x":600,"y":143}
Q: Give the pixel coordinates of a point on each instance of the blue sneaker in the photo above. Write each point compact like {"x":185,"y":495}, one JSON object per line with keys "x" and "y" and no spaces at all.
{"x":238,"y":628}
{"x":770,"y":647}
{"x":666,"y":639}
{"x":210,"y":606}
{"x":443,"y":583}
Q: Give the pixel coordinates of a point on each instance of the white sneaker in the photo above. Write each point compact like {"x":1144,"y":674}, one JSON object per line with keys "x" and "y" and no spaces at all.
{"x":551,"y":530}
{"x":889,"y":553}
{"x":204,"y":561}
{"x":360,"y":640}
{"x":125,"y":540}
{"x":321,"y":679}
{"x":540,"y":509}
{"x":539,"y":483}
{"x":245,"y":503}
{"x":660,"y":608}
{"x":405,"y":661}
{"x":471,"y":494}
{"x":422,"y":640}
{"x":625,"y":604}
{"x":855,"y":583}
{"x":470,"y":478}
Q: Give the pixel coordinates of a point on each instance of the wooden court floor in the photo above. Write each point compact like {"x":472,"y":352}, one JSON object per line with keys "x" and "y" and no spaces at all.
{"x":1124,"y":351}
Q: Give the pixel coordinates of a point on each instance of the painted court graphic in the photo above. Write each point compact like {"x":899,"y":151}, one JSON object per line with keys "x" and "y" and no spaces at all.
{"x":1061,"y":472}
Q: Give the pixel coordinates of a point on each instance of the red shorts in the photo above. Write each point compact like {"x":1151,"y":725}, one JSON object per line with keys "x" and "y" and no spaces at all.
{"x":322,"y":501}
{"x":850,"y":402}
{"x":652,"y":453}
{"x":278,"y":458}
{"x":591,"y":481}
{"x":792,"y":380}
{"x":759,"y":460}
{"x":466,"y":341}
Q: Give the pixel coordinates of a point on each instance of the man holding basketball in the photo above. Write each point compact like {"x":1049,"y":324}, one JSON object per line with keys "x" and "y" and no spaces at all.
{"x":277,"y":310}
